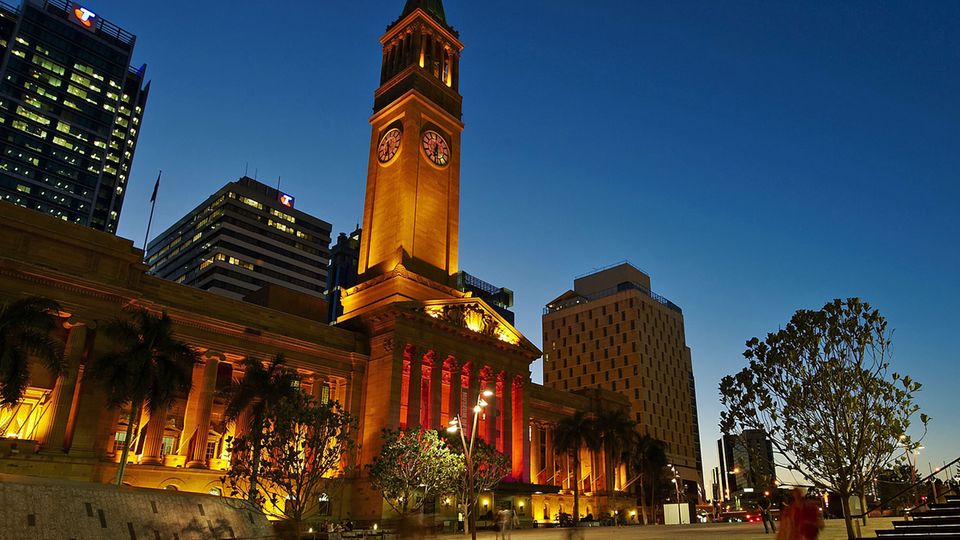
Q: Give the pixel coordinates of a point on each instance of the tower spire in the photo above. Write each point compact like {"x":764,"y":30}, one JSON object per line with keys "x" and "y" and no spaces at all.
{"x":432,"y":7}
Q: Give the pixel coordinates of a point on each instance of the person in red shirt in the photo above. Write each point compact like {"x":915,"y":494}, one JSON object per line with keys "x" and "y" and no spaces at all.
{"x":800,"y":520}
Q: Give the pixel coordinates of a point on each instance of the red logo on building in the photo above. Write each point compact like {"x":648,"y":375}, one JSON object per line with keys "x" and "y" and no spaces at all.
{"x":84,"y":16}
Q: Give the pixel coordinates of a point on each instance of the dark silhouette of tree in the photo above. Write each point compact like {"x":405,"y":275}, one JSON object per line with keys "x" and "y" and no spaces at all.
{"x":147,"y":367}
{"x":648,"y":457}
{"x":822,"y":390}
{"x":249,"y":402}
{"x":616,"y":430}
{"x":573,"y":433}
{"x":25,"y":328}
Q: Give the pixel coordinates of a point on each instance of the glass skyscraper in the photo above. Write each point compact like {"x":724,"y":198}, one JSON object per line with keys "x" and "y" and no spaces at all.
{"x":70,"y":111}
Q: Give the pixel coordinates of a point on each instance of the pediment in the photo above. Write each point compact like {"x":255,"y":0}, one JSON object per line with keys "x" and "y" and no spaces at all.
{"x":476,"y":316}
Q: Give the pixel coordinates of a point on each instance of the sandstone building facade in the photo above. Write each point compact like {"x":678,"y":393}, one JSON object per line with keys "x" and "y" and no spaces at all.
{"x":409,"y":350}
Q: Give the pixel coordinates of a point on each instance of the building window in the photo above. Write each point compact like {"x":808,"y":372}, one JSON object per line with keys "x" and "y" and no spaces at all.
{"x":211,"y":450}
{"x":166,"y":447}
{"x":118,"y":440}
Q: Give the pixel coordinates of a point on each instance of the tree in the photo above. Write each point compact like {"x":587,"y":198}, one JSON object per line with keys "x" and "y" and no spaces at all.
{"x":893,"y":486}
{"x":573,"y":433}
{"x":251,"y":399}
{"x":648,"y":457}
{"x":147,"y":367}
{"x":490,"y":467}
{"x":822,"y":391}
{"x":414,"y":465}
{"x":25,"y":328}
{"x":303,"y":445}
{"x":616,"y":429}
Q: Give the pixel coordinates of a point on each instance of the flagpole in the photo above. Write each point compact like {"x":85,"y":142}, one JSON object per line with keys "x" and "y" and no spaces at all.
{"x":153,"y":206}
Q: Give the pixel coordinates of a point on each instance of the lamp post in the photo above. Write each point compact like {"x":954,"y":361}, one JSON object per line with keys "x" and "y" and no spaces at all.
{"x":457,"y":426}
{"x":913,"y":467}
{"x":676,"y":483}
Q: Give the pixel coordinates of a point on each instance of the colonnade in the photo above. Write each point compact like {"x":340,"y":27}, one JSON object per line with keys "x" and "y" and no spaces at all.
{"x":421,"y":46}
{"x":549,"y":466}
{"x":437,"y":388}
{"x":70,"y":417}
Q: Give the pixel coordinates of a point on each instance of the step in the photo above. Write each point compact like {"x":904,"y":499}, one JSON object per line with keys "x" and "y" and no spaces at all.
{"x":945,"y":506}
{"x":917,"y":534}
{"x":935,"y":520}
{"x":908,"y":527}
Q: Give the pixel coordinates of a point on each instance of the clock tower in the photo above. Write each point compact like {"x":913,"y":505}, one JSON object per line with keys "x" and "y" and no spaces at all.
{"x":411,"y":217}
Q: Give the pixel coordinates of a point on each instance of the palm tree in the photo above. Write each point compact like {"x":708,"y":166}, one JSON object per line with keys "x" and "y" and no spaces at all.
{"x":648,"y":456}
{"x":573,"y":433}
{"x":25,"y":327}
{"x":260,"y":390}
{"x":148,"y":367}
{"x":616,"y":429}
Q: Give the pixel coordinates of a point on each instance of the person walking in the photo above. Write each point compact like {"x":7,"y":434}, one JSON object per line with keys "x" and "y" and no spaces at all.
{"x":800,"y":520}
{"x":503,"y":523}
{"x":766,"y":515}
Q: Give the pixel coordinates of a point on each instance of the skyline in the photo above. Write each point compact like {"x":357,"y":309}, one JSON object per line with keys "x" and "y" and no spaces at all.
{"x":687,"y":144}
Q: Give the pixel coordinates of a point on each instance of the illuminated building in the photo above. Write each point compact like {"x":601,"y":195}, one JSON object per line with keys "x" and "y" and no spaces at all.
{"x":612,"y":332}
{"x":243,"y":237}
{"x":410,"y":350}
{"x":747,"y":466}
{"x":70,"y":111}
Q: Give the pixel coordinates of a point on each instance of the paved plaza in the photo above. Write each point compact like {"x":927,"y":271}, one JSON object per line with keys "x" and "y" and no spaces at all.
{"x":741,"y":531}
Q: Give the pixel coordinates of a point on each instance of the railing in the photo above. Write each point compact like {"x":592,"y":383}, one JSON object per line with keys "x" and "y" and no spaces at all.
{"x":105,"y":27}
{"x":879,"y":505}
{"x":625,"y":286}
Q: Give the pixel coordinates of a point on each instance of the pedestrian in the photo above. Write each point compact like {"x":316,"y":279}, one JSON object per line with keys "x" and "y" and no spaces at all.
{"x":766,"y":515}
{"x":503,"y":524}
{"x":800,"y":520}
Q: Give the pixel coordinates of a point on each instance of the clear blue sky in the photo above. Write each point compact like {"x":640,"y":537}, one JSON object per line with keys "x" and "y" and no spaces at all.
{"x":754,"y":157}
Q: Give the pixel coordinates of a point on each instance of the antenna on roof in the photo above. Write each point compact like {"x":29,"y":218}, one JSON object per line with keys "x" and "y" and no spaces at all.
{"x":246,"y":168}
{"x":256,"y":173}
{"x":278,"y":183}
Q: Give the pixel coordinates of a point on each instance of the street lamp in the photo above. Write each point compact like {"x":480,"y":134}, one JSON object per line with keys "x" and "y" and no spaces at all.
{"x":676,"y":483}
{"x":457,"y":426}
{"x":913,"y":467}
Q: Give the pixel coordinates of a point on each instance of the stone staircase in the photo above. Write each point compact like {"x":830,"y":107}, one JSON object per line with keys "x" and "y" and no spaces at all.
{"x":941,"y":521}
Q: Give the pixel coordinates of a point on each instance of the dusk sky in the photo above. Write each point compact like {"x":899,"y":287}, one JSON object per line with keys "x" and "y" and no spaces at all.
{"x":754,"y":157}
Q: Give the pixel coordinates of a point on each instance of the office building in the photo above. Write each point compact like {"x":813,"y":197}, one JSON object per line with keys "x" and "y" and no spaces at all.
{"x":342,"y":274}
{"x":747,"y":467}
{"x":243,"y":237}
{"x":499,"y":298}
{"x":612,"y":332}
{"x":70,"y":111}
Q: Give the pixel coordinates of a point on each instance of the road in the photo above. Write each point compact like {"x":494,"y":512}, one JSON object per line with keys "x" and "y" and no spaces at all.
{"x":739,"y":531}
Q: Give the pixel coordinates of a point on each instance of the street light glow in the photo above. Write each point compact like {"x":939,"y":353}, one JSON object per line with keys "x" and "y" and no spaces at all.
{"x":487,"y":393}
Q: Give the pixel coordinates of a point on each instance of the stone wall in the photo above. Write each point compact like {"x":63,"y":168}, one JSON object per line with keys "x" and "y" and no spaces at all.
{"x":44,"y":509}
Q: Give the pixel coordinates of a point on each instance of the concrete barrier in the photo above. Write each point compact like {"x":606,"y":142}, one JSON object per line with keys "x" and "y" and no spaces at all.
{"x":41,"y":509}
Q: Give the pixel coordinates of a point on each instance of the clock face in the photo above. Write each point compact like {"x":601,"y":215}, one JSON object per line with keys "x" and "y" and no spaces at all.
{"x":389,"y":145}
{"x":435,"y":148}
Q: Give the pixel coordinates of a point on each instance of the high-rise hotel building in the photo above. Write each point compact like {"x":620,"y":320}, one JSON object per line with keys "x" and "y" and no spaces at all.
{"x":612,"y":332}
{"x":243,"y":237}
{"x":70,"y":111}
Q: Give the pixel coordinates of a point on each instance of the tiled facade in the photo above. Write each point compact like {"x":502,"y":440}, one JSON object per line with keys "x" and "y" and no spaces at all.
{"x":612,"y":332}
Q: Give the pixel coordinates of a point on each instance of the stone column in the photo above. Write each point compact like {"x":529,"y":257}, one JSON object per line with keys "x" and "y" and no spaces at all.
{"x":535,"y":465}
{"x":436,"y":395}
{"x":54,"y":437}
{"x":196,"y":423}
{"x":413,"y":391}
{"x":506,"y":418}
{"x":153,"y":442}
{"x":551,"y":456}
